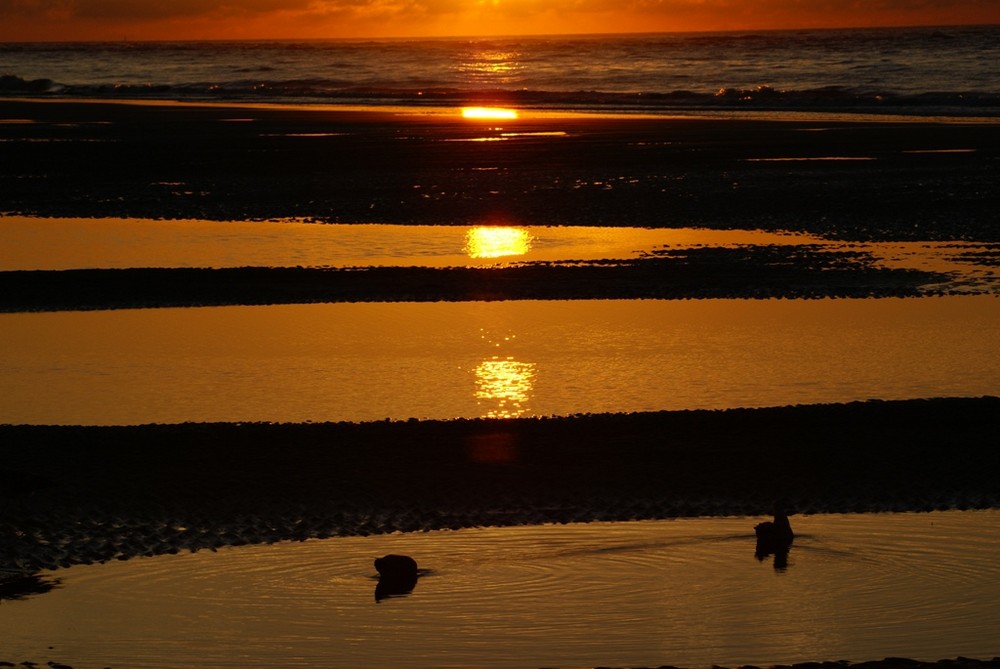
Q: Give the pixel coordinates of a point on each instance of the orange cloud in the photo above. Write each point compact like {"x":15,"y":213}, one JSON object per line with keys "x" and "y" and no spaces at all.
{"x":207,"y":19}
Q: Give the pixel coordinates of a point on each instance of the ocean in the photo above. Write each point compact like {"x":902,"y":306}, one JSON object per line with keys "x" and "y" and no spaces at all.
{"x":948,"y":70}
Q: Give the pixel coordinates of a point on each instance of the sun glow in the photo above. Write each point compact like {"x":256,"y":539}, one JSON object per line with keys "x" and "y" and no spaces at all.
{"x":497,"y":242}
{"x":489,"y":113}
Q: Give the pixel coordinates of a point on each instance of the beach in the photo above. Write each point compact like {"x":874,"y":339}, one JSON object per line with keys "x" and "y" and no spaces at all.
{"x":846,"y":178}
{"x":88,"y":494}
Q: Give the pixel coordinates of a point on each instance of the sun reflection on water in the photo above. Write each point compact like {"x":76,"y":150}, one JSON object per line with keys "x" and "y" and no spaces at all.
{"x":489,"y":113}
{"x":492,"y":66}
{"x":504,"y":385}
{"x":497,"y":242}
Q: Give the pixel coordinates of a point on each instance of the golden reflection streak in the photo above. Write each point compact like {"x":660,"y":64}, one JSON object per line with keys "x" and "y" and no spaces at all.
{"x":507,"y":383}
{"x":489,"y":113}
{"x":496,"y":68}
{"x":488,"y":241}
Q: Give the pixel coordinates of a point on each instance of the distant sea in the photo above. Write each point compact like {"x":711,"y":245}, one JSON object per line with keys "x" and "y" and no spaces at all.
{"x":947,"y":70}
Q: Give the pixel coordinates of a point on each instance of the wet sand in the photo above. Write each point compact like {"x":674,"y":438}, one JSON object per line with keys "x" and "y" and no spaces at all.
{"x":850,"y":177}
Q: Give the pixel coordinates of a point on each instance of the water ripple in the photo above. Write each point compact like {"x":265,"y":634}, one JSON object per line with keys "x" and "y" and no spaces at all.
{"x":686,"y":591}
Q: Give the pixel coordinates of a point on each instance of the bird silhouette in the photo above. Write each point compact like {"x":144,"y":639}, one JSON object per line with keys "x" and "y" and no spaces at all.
{"x":774,"y":537}
{"x":397,"y":576}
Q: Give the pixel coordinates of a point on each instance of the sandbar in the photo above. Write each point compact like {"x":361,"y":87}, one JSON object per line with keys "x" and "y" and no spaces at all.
{"x":77,"y":494}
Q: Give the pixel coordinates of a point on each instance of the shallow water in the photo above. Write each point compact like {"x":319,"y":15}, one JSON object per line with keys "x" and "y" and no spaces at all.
{"x":73,"y":243}
{"x":362,"y":361}
{"x":685,"y":592}
{"x":31,"y":243}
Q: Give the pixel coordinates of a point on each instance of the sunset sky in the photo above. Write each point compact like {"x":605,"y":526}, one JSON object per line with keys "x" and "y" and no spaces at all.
{"x":32,"y":20}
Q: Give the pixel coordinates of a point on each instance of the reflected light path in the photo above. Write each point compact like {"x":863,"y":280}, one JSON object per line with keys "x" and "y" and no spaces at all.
{"x":497,"y":242}
{"x":491,"y":66}
{"x":504,"y":385}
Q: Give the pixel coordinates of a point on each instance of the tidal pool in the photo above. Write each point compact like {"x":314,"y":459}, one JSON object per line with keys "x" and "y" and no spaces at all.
{"x":357,"y":362}
{"x":29,"y":243}
{"x":74,"y":243}
{"x":683,"y":592}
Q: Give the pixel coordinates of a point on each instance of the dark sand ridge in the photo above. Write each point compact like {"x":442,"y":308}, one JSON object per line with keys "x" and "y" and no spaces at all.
{"x":919,"y":179}
{"x":87,"y":494}
{"x":745,"y":272}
